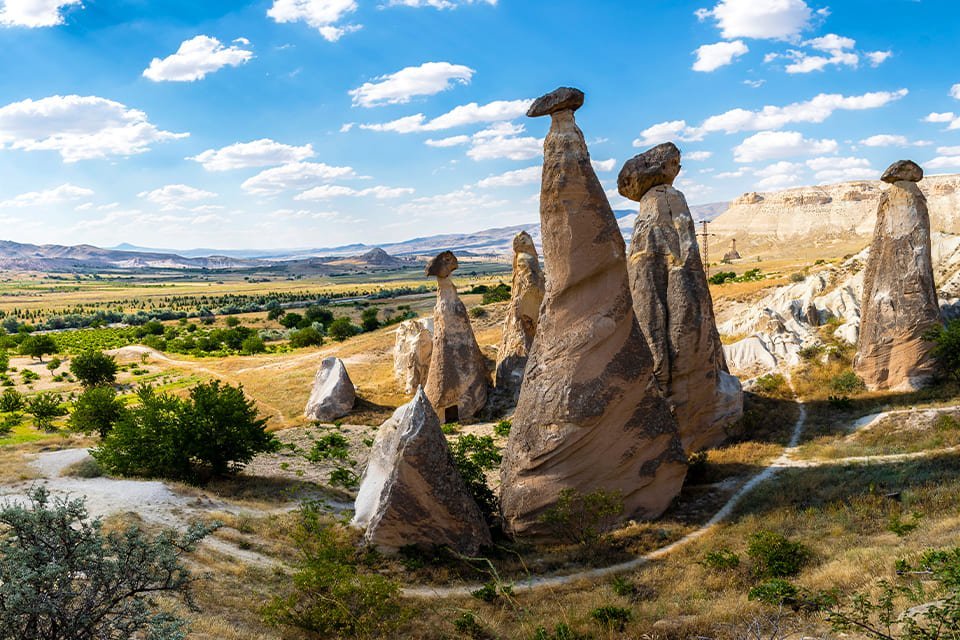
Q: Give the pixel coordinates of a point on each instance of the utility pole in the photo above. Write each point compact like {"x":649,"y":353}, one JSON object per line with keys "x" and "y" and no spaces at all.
{"x":705,"y":246}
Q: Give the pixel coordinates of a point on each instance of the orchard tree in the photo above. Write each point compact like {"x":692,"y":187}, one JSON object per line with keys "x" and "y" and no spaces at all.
{"x":38,"y":346}
{"x":94,"y":368}
{"x":96,"y":410}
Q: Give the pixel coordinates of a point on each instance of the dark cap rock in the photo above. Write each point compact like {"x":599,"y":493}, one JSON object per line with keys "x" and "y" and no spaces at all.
{"x":903,"y":170}
{"x":656,"y":166}
{"x":562,"y":99}
{"x":443,"y":265}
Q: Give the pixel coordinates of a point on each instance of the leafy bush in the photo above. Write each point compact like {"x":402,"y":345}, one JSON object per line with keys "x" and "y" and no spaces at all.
{"x":721,"y":560}
{"x":898,"y":525}
{"x":775,"y":556}
{"x":499,"y":293}
{"x":45,"y":407}
{"x":722,"y":277}
{"x":307,"y":337}
{"x":611,"y":617}
{"x":341,"y":329}
{"x":583,"y":517}
{"x":810,"y":352}
{"x":11,"y":400}
{"x":4,"y":361}
{"x":344,"y":477}
{"x":97,"y":409}
{"x":847,"y":382}
{"x":560,"y":632}
{"x":369,"y":320}
{"x":771,"y":384}
{"x":502,"y":428}
{"x":54,"y":364}
{"x":946,"y":347}
{"x":774,"y":592}
{"x":332,"y":446}
{"x":38,"y":346}
{"x":474,"y":456}
{"x":63,"y":578}
{"x":466,"y":623}
{"x":253,"y":344}
{"x":93,"y":368}
{"x":798,"y":276}
{"x":477,"y":312}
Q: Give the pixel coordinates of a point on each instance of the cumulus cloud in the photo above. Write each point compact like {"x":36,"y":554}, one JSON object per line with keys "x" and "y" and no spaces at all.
{"x":79,"y":128}
{"x":452,"y":141}
{"x":323,"y":15}
{"x":58,"y":195}
{"x":838,"y":49}
{"x":398,"y":88}
{"x":503,"y":140}
{"x":711,"y":57}
{"x":459,"y":203}
{"x":296,"y":176}
{"x":948,"y":158}
{"x":176,"y":196}
{"x":328,"y":191}
{"x":955,"y":91}
{"x":889,"y":140}
{"x":604,"y":165}
{"x":665,"y":132}
{"x":258,"y":153}
{"x":517,"y":178}
{"x":473,"y":113}
{"x":34,"y":13}
{"x":439,"y":4}
{"x":949,"y":116}
{"x":761,"y":19}
{"x":833,"y":169}
{"x":771,"y":145}
{"x":877,"y":58}
{"x":194,"y":59}
{"x":698,"y":155}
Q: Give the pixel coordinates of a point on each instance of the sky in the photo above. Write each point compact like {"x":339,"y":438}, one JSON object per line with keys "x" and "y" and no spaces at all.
{"x":267,"y":124}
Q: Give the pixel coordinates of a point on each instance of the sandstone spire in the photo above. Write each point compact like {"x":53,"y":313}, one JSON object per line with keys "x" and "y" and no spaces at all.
{"x":673,"y":304}
{"x":411,"y":353}
{"x":520,"y":324}
{"x":590,"y":415}
{"x":899,"y":297}
{"x":457,"y":380}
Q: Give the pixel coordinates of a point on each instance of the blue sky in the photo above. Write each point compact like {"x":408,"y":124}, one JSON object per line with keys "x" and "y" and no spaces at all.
{"x":296,"y":123}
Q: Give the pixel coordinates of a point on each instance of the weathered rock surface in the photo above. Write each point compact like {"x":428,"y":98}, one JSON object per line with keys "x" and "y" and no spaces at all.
{"x":412,"y":493}
{"x":675,"y":311}
{"x":899,"y":297}
{"x":520,"y":324}
{"x":562,"y":99}
{"x":457,"y":380}
{"x":590,"y":414}
{"x":656,"y":166}
{"x":903,"y":170}
{"x":411,"y":353}
{"x":333,"y":393}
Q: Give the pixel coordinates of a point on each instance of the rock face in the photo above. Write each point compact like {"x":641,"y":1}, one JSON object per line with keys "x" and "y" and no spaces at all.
{"x":590,"y":414}
{"x":899,"y":297}
{"x":657,"y":166}
{"x":412,"y":493}
{"x":457,"y":380}
{"x":675,"y":311}
{"x":520,"y":324}
{"x":333,"y":393}
{"x":411,"y":353}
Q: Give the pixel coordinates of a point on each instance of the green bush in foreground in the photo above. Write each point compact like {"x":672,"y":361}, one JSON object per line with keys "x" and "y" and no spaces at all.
{"x":775,"y":556}
{"x":583,"y":518}
{"x":96,"y":410}
{"x":45,"y":407}
{"x":94,"y":368}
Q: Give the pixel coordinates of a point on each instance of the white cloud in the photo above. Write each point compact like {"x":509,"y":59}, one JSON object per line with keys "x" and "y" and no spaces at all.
{"x":452,"y":141}
{"x":258,"y":153}
{"x":831,"y":169}
{"x":503,"y":140}
{"x":322,"y":15}
{"x":58,"y":195}
{"x":176,"y":196}
{"x":698,"y":156}
{"x":755,"y":84}
{"x":949,"y":151}
{"x":295,"y":176}
{"x":472,"y":113}
{"x":711,"y":57}
{"x":771,"y":145}
{"x":327,"y":191}
{"x":438,"y":4}
{"x":665,"y":132}
{"x":762,"y":19}
{"x":34,"y":13}
{"x":195,"y":59}
{"x":346,"y":128}
{"x":877,"y":58}
{"x":459,"y":203}
{"x":949,"y":158}
{"x":739,"y":173}
{"x":888,"y":140}
{"x":78,"y":128}
{"x":517,"y":178}
{"x":604,"y":165}
{"x":949,"y":116}
{"x":778,"y":175}
{"x":398,"y":88}
{"x":955,"y":91}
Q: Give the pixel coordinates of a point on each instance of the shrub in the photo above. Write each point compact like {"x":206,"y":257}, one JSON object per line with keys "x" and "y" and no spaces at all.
{"x":946,"y":348}
{"x":810,"y":352}
{"x":54,"y":364}
{"x":332,"y":446}
{"x":902,"y":527}
{"x":775,"y":556}
{"x":722,"y":277}
{"x":97,"y":409}
{"x":466,"y":623}
{"x":11,"y":400}
{"x":253,"y":344}
{"x":63,"y":578}
{"x":774,"y":592}
{"x":344,"y":477}
{"x":44,"y":407}
{"x":4,"y":361}
{"x":721,"y":560}
{"x":798,"y":276}
{"x":477,"y":312}
{"x":847,"y":382}
{"x":341,"y":329}
{"x":502,"y":428}
{"x":611,"y":617}
{"x":500,"y":293}
{"x":771,"y":384}
{"x":474,"y":456}
{"x":308,"y":337}
{"x":38,"y":346}
{"x":369,"y":320}
{"x":93,"y":368}
{"x":583,"y":517}
{"x":560,"y":632}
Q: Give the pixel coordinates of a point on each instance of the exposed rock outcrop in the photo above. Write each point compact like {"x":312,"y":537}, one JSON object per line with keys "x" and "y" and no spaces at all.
{"x":411,"y":353}
{"x":899,"y":296}
{"x":520,"y":324}
{"x":457,"y":380}
{"x":412,"y":493}
{"x":673,"y":304}
{"x":590,"y":414}
{"x":333,"y":393}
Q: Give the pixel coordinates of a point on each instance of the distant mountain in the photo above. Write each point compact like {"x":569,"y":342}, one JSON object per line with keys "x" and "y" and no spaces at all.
{"x":59,"y":258}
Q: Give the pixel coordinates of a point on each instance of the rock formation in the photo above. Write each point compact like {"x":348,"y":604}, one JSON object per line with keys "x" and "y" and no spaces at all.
{"x":333,"y":393}
{"x":520,"y":324}
{"x":590,"y":414}
{"x":457,"y":380}
{"x":411,"y":353}
{"x":672,"y":302}
{"x":412,"y":493}
{"x":733,"y":254}
{"x":899,"y":297}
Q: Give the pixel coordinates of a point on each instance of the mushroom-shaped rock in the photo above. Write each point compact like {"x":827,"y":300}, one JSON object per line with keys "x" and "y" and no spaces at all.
{"x":899,"y":295}
{"x":333,"y":393}
{"x":653,"y":167}
{"x":520,"y":324}
{"x":411,"y":353}
{"x":412,"y":493}
{"x":903,"y":170}
{"x":590,"y":414}
{"x":675,"y":311}
{"x":457,"y":380}
{"x":562,"y":99}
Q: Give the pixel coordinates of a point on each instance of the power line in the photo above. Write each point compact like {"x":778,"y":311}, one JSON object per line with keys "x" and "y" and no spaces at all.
{"x":705,"y":246}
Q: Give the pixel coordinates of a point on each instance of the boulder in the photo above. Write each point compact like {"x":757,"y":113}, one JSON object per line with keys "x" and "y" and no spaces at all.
{"x":457,"y":380}
{"x":562,"y":99}
{"x":411,"y":353}
{"x":411,"y":492}
{"x":333,"y":393}
{"x":899,"y":296}
{"x":590,"y":414}
{"x":657,"y":166}
{"x":907,"y":170}
{"x":520,"y":324}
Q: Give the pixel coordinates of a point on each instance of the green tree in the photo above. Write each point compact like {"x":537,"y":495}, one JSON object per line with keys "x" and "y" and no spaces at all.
{"x":308,"y":337}
{"x":97,"y":409}
{"x":291,"y":320}
{"x":93,"y":368}
{"x":232,"y":322}
{"x":4,"y":361}
{"x":341,"y":329}
{"x":253,"y":344}
{"x":946,"y":349}
{"x":45,"y":407}
{"x":11,"y":400}
{"x":63,"y":578}
{"x":369,"y":320}
{"x":38,"y":346}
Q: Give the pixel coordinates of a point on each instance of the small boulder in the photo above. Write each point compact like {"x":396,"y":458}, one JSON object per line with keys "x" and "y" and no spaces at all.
{"x":411,"y":353}
{"x":562,"y":99}
{"x":333,"y":393}
{"x":412,"y":493}
{"x":654,"y":167}
{"x":907,"y":170}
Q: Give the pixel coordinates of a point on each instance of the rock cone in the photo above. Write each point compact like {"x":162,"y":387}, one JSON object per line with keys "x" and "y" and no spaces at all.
{"x":675,"y":311}
{"x":590,"y":415}
{"x":457,"y":380}
{"x":333,"y":393}
{"x":411,"y":353}
{"x":899,"y":297}
{"x":412,"y":493}
{"x":520,"y":324}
